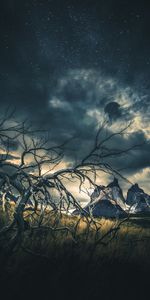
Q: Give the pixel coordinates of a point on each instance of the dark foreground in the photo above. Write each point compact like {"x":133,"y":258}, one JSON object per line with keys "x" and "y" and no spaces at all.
{"x":71,"y":278}
{"x":57,"y":268}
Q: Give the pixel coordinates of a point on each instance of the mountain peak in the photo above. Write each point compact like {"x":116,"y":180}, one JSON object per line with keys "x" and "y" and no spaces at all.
{"x":113,"y":183}
{"x":135,"y":188}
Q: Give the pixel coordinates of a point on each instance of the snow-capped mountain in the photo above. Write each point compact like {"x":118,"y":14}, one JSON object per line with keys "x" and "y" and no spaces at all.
{"x":111,"y":192}
{"x":137,"y":200}
{"x":105,"y":208}
{"x":109,"y":201}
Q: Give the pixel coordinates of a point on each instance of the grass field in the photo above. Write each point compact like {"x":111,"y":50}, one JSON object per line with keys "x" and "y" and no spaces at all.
{"x":55,"y":264}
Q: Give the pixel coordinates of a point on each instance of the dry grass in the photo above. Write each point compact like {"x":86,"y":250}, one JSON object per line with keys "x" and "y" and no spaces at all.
{"x":130,"y":243}
{"x":51,"y":262}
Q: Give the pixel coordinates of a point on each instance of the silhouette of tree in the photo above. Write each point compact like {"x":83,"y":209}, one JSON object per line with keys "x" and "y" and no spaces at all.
{"x":24,"y":182}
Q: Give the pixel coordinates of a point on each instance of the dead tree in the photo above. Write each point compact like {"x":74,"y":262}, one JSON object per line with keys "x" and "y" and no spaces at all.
{"x":24,"y":182}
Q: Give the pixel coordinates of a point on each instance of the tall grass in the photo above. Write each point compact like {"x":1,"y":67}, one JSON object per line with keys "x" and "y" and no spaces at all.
{"x":53,"y":262}
{"x":130,"y":243}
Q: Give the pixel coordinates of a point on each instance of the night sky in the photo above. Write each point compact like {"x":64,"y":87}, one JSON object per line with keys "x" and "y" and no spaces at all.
{"x":67,"y":65}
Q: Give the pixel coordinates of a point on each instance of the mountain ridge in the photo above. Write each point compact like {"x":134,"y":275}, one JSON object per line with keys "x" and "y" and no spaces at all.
{"x":108,"y":201}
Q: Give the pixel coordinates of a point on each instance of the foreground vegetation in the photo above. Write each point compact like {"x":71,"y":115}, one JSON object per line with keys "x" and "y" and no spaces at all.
{"x":44,"y":252}
{"x":126,"y":239}
{"x":53,"y":262}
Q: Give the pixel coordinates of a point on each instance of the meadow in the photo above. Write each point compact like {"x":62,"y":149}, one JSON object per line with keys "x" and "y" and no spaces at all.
{"x":77,"y":264}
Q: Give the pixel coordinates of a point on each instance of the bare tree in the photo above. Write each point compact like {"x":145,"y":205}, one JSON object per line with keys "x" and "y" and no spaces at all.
{"x":29,"y":178}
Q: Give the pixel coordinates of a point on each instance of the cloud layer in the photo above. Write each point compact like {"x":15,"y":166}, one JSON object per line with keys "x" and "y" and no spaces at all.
{"x":66,"y":66}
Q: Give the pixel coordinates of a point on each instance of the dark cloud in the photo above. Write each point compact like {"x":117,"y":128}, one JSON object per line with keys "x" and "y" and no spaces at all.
{"x":63,"y":63}
{"x":8,"y":156}
{"x":136,"y":159}
{"x":12,"y":145}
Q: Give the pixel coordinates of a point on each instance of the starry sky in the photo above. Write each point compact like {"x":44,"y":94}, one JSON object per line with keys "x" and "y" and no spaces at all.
{"x":67,"y":65}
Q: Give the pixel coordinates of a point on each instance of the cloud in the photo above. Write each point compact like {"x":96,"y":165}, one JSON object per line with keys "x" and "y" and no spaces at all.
{"x":76,"y":103}
{"x":9,"y":157}
{"x":142,"y":177}
{"x":13,"y":145}
{"x":58,"y":104}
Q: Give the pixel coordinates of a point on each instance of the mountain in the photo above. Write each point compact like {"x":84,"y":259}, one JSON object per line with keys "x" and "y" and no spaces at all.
{"x":98,"y":193}
{"x":109,"y":201}
{"x":115,"y":192}
{"x":105,"y":208}
{"x":106,"y":201}
{"x":137,"y":200}
{"x":132,"y":194}
{"x":111,"y":192}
